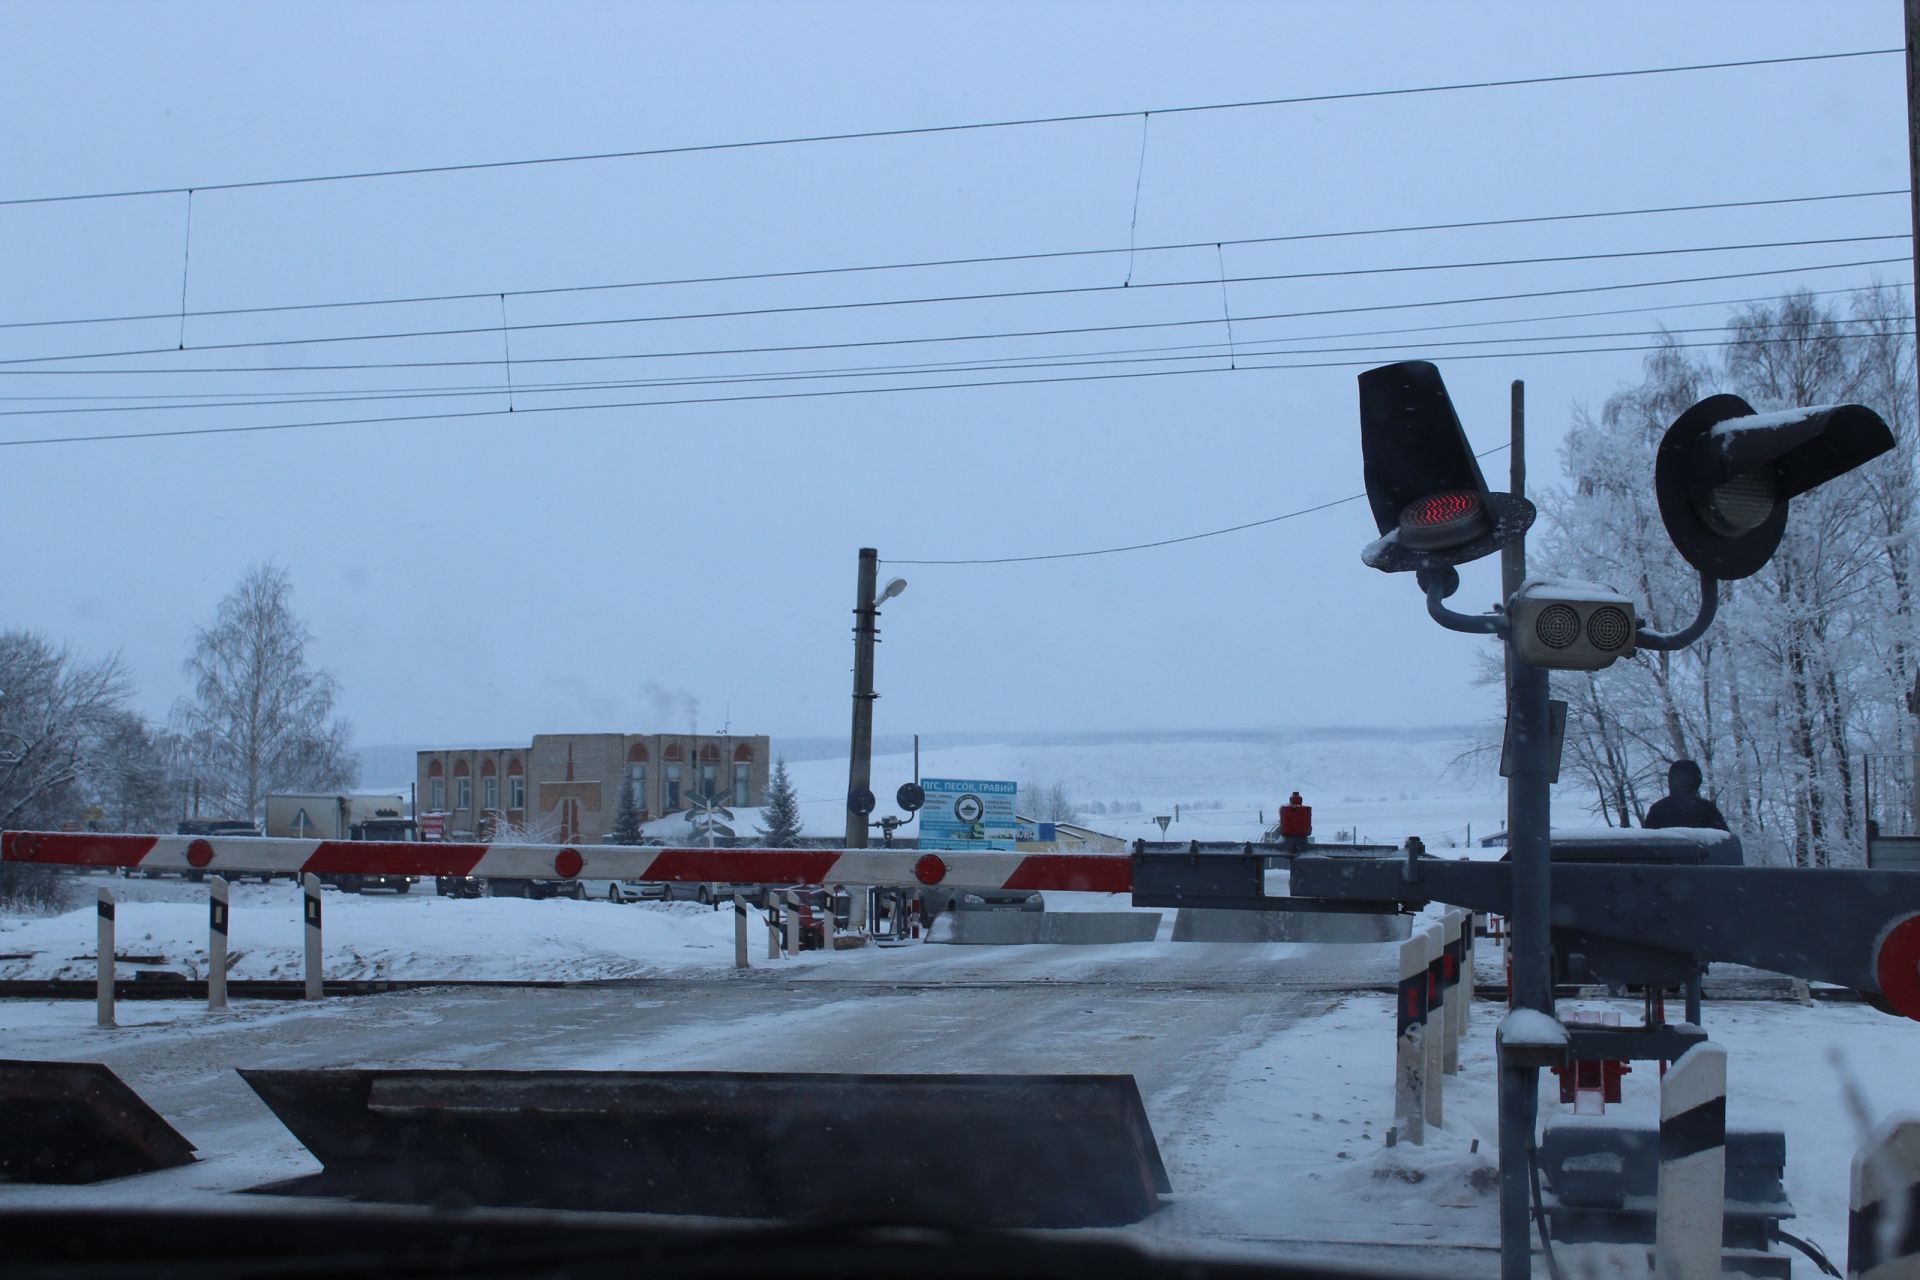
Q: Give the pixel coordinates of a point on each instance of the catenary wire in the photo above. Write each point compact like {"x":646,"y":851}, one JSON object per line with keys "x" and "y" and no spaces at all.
{"x":924,"y":130}
{"x":997,"y":295}
{"x":256,"y":428}
{"x":804,"y":272}
{"x":1037,"y":360}
{"x":976,"y":337}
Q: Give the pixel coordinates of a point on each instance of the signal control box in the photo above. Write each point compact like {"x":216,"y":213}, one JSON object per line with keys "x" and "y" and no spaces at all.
{"x":1571,"y":626}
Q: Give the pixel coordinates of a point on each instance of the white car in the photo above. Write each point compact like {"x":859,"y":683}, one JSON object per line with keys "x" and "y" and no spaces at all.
{"x":623,"y":890}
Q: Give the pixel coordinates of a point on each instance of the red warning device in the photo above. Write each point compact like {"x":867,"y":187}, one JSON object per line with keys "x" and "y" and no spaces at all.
{"x":1296,"y":819}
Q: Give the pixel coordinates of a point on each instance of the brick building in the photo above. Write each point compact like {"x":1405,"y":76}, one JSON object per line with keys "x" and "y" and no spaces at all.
{"x":565,"y":787}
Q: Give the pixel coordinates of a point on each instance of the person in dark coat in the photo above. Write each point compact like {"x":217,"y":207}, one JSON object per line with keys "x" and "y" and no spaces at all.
{"x":1684,"y":806}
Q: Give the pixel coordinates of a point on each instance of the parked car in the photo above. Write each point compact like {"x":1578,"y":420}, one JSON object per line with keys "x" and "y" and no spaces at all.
{"x":622,"y":890}
{"x":962,"y":898}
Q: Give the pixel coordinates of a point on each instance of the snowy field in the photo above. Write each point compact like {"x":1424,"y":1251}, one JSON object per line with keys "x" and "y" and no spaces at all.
{"x":1375,"y":786}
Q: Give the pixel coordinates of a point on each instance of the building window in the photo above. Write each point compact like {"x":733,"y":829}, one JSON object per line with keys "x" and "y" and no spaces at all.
{"x":637,"y":774}
{"x":516,"y":792}
{"x":463,"y":792}
{"x":741,"y":771}
{"x":490,"y":791}
{"x":673,"y":788}
{"x":710,"y":780}
{"x":437,"y":795}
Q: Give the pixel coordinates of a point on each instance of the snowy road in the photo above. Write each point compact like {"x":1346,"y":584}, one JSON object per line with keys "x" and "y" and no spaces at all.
{"x":1266,"y":1088}
{"x":1198,"y":1036}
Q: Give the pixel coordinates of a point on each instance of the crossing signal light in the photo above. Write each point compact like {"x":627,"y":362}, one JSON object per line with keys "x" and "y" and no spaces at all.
{"x":1724,"y":475}
{"x":1429,"y":499}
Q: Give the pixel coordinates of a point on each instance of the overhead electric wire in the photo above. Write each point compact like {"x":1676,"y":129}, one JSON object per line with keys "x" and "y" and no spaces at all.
{"x":941,"y":300}
{"x":1037,"y":360}
{"x":924,"y":130}
{"x":254,"y":428}
{"x":804,"y":272}
{"x":494,"y":362}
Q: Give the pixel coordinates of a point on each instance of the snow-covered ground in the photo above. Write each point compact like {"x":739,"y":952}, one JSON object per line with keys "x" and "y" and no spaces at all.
{"x":1270,"y":1107}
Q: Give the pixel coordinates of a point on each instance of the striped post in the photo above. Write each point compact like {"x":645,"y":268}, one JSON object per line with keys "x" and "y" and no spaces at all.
{"x":740,"y":932}
{"x":1410,"y":1056}
{"x":1434,"y":1038}
{"x":793,"y":923}
{"x":1691,"y":1201}
{"x":1453,"y":953}
{"x":103,"y":962}
{"x":773,"y":928}
{"x":310,"y":889}
{"x":857,"y":912}
{"x":217,"y":912}
{"x":1883,"y":1226}
{"x":1468,"y":981}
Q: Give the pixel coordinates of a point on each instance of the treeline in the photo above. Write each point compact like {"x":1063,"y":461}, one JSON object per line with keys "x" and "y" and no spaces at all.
{"x":1812,"y":663}
{"x":257,"y":719}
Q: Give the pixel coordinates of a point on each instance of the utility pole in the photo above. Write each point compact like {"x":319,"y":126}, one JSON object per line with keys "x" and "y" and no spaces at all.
{"x":1529,"y":753}
{"x":860,"y":752}
{"x":1913,"y":198}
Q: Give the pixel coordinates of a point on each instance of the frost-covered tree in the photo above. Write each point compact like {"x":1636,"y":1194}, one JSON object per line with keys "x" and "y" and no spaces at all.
{"x":781,"y":827}
{"x":1813,"y":659}
{"x":61,"y":721}
{"x":1047,"y":802}
{"x":260,"y":720}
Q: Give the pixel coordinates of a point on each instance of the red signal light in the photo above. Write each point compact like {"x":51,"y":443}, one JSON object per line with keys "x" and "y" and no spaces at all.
{"x":1444,"y":519}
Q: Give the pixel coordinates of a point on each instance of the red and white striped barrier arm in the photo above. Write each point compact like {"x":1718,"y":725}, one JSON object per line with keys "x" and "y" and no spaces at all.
{"x":253,"y":855}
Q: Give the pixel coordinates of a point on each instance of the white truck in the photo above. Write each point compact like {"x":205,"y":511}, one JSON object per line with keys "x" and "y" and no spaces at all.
{"x":337,"y":817}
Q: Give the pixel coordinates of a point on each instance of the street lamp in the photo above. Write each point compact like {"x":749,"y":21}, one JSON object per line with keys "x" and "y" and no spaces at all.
{"x":866,"y":610}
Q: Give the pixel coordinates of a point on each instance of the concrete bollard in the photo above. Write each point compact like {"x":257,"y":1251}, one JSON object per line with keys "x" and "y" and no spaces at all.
{"x":103,"y":962}
{"x":1410,"y":1055}
{"x":857,"y":913}
{"x":740,"y":932}
{"x":310,"y":889}
{"x":217,"y":913}
{"x":1691,"y":1199}
{"x":1434,"y":1037}
{"x":1468,"y":981}
{"x":773,"y":930}
{"x":1883,"y":1223}
{"x":793,"y":924}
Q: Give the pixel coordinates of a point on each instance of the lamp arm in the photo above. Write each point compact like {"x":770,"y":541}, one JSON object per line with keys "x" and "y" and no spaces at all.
{"x":1709,"y":605}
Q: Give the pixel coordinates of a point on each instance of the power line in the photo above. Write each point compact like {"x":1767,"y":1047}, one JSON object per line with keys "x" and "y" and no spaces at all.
{"x":1163,"y":542}
{"x":869,"y":134}
{"x":996,"y":336}
{"x":804,"y":272}
{"x":947,"y":299}
{"x":1037,"y":360}
{"x":255,"y":428}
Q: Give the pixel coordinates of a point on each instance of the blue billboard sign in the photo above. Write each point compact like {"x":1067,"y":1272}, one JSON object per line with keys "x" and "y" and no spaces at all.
{"x":962,"y":814}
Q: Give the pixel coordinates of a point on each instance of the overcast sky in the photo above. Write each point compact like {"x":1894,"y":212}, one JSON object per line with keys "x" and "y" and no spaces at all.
{"x":483,"y":578}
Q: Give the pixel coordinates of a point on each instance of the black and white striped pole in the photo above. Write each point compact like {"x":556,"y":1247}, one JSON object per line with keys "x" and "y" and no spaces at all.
{"x":793,"y":923}
{"x":1883,"y":1226}
{"x":739,"y":932}
{"x":217,"y":912}
{"x":1455,"y":929}
{"x":103,"y":962}
{"x":773,"y":927}
{"x":1434,"y":1037}
{"x":310,"y":891}
{"x":1410,"y":1055}
{"x":1691,"y":1201}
